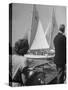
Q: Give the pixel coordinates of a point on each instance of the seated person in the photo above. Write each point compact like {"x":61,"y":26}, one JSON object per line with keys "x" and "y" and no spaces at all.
{"x":19,"y":61}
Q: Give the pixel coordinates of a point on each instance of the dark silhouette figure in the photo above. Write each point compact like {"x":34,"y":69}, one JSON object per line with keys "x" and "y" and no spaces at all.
{"x":60,"y":51}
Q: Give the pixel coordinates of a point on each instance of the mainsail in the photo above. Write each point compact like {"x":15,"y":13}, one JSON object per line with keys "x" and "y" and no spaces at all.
{"x":38,"y":40}
{"x":35,"y":19}
{"x":51,"y":31}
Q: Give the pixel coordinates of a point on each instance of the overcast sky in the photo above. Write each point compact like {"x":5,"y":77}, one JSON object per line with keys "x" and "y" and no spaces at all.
{"x":22,"y":18}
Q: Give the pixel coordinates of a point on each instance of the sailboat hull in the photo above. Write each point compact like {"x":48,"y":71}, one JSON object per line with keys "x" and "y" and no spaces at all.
{"x":39,"y":56}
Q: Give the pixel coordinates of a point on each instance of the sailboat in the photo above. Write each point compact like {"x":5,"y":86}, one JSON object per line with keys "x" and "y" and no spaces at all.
{"x":38,"y":43}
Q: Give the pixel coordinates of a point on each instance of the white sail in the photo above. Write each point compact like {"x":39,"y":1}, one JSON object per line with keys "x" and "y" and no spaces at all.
{"x":51,"y":31}
{"x":34,"y":25}
{"x":39,"y":41}
{"x":48,"y":33}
